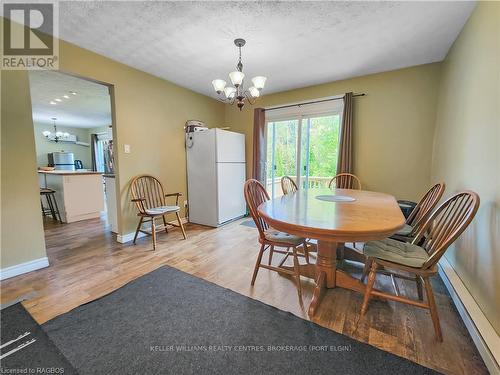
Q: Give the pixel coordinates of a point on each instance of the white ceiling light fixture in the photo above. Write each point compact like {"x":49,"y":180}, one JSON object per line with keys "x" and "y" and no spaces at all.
{"x":238,"y":94}
{"x":55,"y":136}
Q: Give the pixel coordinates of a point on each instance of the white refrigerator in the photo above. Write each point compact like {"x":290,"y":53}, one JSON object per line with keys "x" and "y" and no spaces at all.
{"x":216,"y":175}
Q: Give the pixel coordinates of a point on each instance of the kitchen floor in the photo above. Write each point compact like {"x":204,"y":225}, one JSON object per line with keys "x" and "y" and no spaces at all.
{"x":87,"y":263}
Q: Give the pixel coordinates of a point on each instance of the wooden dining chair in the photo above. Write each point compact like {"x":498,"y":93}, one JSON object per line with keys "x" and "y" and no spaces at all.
{"x":149,"y":198}
{"x":269,"y":238}
{"x":390,"y":256}
{"x":345,"y":181}
{"x":420,"y":213}
{"x":288,"y":186}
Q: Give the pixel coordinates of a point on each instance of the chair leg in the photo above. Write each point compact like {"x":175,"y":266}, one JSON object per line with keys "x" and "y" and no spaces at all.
{"x":306,"y":252}
{"x":366,"y":269}
{"x":297,"y":271}
{"x":58,"y":213}
{"x":342,"y":254}
{"x":51,"y":207}
{"x":153,"y":232}
{"x":180,"y":224}
{"x":257,"y":264}
{"x":433,"y":308}
{"x":138,"y":228}
{"x":165,"y":223}
{"x":271,"y":252}
{"x":420,"y":292}
{"x":369,"y":287}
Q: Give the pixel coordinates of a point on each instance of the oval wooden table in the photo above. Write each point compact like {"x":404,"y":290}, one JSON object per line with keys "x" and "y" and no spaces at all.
{"x":354,"y":216}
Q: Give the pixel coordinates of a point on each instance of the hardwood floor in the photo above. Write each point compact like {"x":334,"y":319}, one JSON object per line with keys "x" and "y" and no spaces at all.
{"x":87,"y":263}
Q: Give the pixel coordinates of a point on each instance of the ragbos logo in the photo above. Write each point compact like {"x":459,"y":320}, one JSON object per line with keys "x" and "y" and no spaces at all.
{"x":29,"y":32}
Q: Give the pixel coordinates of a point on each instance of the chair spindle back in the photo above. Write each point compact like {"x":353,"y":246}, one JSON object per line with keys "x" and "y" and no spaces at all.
{"x":288,"y":185}
{"x":255,"y":195}
{"x":345,"y":181}
{"x":445,"y":225}
{"x":147,"y":191}
{"x":425,"y":206}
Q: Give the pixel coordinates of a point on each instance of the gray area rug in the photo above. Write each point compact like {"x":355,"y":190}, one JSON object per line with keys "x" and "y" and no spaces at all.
{"x":26,"y":347}
{"x":169,"y":322}
{"x":248,"y":223}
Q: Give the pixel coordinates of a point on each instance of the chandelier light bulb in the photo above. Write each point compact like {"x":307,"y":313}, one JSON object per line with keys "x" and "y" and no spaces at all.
{"x":230,"y":92}
{"x":254,"y":91}
{"x":259,"y":82}
{"x":218,"y":85}
{"x":236,"y":78}
{"x":46,"y":133}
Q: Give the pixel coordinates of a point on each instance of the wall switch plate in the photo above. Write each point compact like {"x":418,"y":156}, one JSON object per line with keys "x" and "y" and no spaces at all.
{"x":126,"y":149}
{"x":185,"y":203}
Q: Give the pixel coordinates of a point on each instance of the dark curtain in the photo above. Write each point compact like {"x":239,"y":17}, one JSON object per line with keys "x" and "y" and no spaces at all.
{"x":344,"y":162}
{"x":259,"y":145}
{"x":93,"y":148}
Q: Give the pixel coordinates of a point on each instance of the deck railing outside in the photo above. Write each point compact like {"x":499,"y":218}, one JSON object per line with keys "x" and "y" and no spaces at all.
{"x":312,"y":183}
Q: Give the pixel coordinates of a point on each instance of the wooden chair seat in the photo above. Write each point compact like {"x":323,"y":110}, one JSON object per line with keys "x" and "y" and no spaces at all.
{"x":276,"y":236}
{"x":397,"y":252}
{"x":405,"y":231}
{"x":161,"y":210}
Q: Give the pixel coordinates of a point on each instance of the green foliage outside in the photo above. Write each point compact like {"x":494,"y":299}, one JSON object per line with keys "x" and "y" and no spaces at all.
{"x":323,"y":146}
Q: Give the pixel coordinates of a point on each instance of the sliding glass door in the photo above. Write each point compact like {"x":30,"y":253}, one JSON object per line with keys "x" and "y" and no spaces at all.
{"x":319,"y":151}
{"x":282,"y":141}
{"x":304,"y":147}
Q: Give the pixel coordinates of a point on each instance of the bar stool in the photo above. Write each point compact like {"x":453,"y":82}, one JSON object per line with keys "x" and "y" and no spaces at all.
{"x":53,"y":210}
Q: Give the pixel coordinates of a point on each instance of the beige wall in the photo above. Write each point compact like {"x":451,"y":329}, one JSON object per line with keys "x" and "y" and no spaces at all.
{"x":44,"y":146}
{"x":393,"y":126}
{"x":466,"y":150}
{"x":150,"y":115}
{"x":22,"y":230}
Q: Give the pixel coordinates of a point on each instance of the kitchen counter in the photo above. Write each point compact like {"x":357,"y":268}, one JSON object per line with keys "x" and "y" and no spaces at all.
{"x":79,"y":195}
{"x":69,"y":173}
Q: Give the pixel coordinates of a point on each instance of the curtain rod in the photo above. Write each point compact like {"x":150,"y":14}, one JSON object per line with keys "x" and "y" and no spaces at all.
{"x":313,"y":102}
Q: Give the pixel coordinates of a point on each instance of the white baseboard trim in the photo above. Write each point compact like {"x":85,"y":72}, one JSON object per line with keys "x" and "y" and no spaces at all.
{"x":127,"y":237}
{"x":19,"y":269}
{"x":482,"y":332}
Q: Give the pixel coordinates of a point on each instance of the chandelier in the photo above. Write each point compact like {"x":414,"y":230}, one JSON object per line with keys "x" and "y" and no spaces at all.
{"x":238,"y":94}
{"x":56,"y":135}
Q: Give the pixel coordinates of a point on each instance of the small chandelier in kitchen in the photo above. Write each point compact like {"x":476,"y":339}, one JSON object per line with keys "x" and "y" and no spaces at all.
{"x":56,"y":135}
{"x":238,"y":94}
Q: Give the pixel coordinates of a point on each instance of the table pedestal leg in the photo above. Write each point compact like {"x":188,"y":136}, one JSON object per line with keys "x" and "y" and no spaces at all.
{"x":326,"y":274}
{"x":326,"y":266}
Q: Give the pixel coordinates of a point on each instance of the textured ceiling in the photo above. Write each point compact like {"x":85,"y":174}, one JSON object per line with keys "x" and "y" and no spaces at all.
{"x":294,"y":44}
{"x":91,"y":106}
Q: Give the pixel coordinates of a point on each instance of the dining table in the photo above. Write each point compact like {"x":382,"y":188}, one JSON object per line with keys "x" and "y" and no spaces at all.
{"x":333,"y":217}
